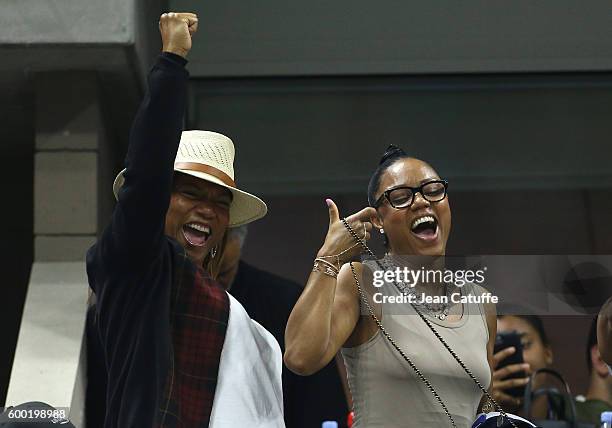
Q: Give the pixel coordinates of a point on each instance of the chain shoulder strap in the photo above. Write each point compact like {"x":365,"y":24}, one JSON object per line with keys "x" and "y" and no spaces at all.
{"x":435,"y":332}
{"x":398,"y":349}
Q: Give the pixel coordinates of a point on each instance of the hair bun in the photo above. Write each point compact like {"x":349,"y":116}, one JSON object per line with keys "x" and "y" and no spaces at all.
{"x":392,"y":152}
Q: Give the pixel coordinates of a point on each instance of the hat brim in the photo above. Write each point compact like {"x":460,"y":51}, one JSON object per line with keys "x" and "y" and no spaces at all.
{"x":244,"y":209}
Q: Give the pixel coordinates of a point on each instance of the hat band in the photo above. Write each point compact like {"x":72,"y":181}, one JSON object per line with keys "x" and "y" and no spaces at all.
{"x":206,"y":169}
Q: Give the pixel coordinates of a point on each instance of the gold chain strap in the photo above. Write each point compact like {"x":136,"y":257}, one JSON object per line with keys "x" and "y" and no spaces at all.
{"x":435,"y":332}
{"x":390,"y":339}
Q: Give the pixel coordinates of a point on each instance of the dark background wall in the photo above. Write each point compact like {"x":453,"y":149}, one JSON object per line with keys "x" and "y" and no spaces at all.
{"x":348,"y":37}
{"x":482,"y":131}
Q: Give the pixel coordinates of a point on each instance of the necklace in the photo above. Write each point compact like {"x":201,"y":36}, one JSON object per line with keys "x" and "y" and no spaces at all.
{"x":438,"y":310}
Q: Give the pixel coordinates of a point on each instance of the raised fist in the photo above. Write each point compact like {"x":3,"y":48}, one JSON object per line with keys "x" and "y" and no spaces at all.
{"x":176,"y":31}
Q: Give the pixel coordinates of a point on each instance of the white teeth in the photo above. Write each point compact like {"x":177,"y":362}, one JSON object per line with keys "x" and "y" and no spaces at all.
{"x":421,"y":220}
{"x":204,"y":229}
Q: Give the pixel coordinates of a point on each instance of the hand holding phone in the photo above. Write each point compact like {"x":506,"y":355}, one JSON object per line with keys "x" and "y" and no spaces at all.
{"x":510,"y":372}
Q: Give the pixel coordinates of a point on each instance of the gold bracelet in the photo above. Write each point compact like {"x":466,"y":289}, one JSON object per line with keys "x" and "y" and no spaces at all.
{"x":336,"y":256}
{"x":329,"y":270}
{"x":326,"y":263}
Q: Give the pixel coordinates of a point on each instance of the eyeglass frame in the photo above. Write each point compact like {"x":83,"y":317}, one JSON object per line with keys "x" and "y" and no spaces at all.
{"x":414,"y":190}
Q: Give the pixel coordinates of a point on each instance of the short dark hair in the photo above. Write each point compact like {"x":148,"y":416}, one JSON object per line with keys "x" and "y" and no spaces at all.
{"x":535,"y":322}
{"x":391,"y":155}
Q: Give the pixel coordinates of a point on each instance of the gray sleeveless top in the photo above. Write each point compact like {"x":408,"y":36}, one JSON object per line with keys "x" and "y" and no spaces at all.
{"x":386,"y":391}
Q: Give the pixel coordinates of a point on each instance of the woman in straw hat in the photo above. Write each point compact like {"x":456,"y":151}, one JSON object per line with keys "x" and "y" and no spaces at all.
{"x":409,"y":205}
{"x":179,"y":351}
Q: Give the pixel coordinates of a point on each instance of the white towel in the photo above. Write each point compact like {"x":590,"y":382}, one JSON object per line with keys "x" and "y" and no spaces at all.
{"x":249,"y":389}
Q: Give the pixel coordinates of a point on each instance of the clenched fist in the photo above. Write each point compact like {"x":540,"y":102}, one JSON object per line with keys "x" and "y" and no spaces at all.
{"x":176,"y":31}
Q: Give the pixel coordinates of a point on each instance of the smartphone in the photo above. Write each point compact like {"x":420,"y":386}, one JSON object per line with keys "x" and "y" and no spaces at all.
{"x":505,"y":340}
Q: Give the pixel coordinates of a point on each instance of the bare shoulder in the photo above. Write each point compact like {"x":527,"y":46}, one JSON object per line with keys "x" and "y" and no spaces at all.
{"x":364,"y":327}
{"x":348,"y":271}
{"x":353,"y":274}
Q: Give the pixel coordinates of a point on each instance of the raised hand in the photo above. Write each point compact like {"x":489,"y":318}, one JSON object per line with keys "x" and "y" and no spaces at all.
{"x":339,"y":241}
{"x":176,"y":31}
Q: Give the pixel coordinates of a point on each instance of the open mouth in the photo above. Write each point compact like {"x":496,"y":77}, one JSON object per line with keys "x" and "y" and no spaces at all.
{"x":196,"y":233}
{"x":425,"y":227}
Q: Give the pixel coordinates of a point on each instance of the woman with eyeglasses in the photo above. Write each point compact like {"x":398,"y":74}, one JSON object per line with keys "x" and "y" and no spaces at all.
{"x":409,"y":206}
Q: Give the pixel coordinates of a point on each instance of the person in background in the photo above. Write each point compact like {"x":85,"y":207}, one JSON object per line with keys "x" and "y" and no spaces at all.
{"x":537,"y":354}
{"x":599,"y":392}
{"x":269,"y":299}
{"x":604,"y":332}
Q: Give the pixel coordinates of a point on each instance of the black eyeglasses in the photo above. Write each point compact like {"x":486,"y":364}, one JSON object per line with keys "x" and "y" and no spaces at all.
{"x":402,"y":197}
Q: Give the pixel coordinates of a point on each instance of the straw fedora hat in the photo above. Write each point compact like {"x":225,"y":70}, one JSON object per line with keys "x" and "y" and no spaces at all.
{"x":210,"y":156}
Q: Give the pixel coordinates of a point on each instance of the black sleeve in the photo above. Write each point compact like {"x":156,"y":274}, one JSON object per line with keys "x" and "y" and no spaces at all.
{"x":135,"y":234}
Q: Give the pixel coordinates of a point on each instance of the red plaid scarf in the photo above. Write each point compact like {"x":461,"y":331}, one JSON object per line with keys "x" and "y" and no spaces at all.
{"x":200,"y":313}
